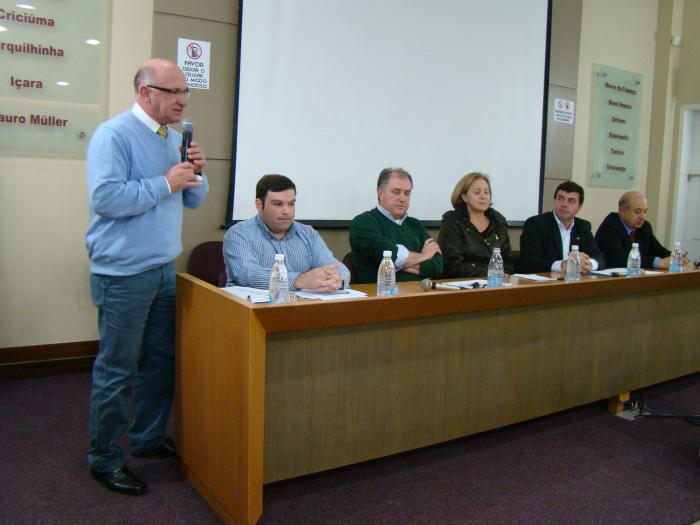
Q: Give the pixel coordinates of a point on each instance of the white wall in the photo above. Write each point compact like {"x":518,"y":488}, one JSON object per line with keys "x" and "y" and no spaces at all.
{"x":43,"y":216}
{"x":687,"y":221}
{"x":43,"y":207}
{"x":621,"y":34}
{"x":695,"y":144}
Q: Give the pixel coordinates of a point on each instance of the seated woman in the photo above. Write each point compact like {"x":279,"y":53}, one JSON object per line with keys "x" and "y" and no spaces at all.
{"x":470,"y":232}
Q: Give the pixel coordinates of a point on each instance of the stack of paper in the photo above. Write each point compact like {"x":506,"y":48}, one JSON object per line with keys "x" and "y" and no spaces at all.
{"x":253,"y":295}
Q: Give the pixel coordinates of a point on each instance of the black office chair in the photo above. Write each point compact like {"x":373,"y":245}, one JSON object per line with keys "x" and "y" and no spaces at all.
{"x":347,"y":261}
{"x":207,"y":263}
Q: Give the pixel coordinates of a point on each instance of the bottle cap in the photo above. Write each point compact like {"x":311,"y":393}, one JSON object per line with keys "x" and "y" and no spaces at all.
{"x":279,"y":257}
{"x":574,"y":247}
{"x":635,"y":245}
{"x":387,"y":253}
{"x":676,"y":244}
{"x":496,"y":250}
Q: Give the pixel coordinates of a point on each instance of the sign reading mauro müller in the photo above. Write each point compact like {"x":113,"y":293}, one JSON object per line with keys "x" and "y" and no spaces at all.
{"x":617,"y":104}
{"x":52,"y":76}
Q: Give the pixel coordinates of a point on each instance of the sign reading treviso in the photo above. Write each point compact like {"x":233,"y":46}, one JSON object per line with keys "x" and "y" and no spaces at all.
{"x":617,"y":106}
{"x":52,"y":75}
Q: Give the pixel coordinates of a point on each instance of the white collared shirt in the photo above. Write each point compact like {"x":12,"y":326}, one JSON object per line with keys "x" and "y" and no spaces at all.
{"x":144,"y":117}
{"x":401,"y":250}
{"x":565,"y":242}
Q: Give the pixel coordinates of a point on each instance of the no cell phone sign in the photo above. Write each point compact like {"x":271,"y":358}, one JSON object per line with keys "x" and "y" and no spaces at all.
{"x":193,"y":59}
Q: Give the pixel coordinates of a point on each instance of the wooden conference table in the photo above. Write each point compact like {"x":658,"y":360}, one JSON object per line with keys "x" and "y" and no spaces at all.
{"x":269,"y":392}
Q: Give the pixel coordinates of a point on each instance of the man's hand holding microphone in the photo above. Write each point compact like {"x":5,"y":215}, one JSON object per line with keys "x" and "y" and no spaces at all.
{"x":186,"y":174}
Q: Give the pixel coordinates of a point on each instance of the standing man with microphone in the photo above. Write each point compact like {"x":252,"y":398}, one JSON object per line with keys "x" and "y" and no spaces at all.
{"x":137,"y":187}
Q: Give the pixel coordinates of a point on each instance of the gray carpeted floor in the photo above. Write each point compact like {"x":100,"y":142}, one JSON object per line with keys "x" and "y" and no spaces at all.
{"x":579,"y":466}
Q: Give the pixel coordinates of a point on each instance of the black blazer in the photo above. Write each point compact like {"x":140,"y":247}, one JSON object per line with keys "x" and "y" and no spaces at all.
{"x":616,"y":244}
{"x":467,"y":252}
{"x":540,"y":243}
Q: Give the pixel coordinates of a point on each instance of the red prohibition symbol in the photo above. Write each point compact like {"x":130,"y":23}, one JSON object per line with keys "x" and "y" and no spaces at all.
{"x":194,"y":51}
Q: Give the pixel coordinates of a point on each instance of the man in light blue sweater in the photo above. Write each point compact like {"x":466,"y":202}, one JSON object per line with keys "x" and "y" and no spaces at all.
{"x":137,"y":187}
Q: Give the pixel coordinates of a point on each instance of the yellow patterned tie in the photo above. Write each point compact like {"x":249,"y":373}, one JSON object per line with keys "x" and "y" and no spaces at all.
{"x":163,"y":132}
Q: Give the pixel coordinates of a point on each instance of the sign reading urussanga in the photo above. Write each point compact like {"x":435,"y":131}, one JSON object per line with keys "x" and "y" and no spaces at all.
{"x":617,"y":105}
{"x":52,"y":76}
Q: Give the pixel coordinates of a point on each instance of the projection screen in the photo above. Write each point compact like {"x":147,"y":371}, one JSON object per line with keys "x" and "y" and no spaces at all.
{"x":332,"y":91}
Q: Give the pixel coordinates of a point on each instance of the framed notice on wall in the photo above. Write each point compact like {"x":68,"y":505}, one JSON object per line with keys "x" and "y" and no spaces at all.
{"x":53,"y":64}
{"x":617,"y":103}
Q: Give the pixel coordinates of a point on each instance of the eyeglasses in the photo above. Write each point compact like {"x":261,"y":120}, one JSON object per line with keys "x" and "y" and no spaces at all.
{"x":173,"y":91}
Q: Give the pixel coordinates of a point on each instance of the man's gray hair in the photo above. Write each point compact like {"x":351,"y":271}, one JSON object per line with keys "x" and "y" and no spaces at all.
{"x":145,"y":75}
{"x":385,"y":174}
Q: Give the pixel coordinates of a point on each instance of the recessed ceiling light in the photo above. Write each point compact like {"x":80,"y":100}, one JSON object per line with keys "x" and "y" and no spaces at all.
{"x":2,"y":28}
{"x":25,"y":6}
{"x":92,"y":42}
{"x":62,"y":83}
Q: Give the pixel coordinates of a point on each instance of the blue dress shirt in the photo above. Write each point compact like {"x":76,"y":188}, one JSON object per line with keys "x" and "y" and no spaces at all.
{"x":250,"y":248}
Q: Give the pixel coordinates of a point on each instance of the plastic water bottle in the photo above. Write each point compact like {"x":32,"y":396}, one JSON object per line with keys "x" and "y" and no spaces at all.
{"x":676,"y":258}
{"x":386,"y":276}
{"x":279,"y":281}
{"x":495,"y":271}
{"x":634,"y":261}
{"x":573,"y":266}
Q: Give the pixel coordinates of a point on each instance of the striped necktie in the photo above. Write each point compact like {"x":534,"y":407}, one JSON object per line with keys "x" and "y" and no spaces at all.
{"x":163,"y":132}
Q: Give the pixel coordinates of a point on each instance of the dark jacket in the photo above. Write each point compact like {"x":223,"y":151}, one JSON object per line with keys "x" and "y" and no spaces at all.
{"x":616,"y":244}
{"x":540,"y":243}
{"x":466,"y":251}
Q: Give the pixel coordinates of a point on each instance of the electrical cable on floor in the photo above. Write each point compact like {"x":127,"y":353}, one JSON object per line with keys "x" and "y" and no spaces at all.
{"x":641,"y":409}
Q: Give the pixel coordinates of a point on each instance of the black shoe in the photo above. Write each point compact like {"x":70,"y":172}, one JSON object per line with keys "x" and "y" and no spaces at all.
{"x":166,"y":450}
{"x":122,"y":480}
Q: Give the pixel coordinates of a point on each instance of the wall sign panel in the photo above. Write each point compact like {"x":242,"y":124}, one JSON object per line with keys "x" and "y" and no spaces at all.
{"x":53,"y":63}
{"x":617,"y":106}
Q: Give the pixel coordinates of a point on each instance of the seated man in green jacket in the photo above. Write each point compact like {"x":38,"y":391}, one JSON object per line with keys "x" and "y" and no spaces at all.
{"x":388,"y":227}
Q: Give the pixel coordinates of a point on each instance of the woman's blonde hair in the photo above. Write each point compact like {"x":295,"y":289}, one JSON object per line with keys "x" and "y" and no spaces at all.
{"x":463,"y":186}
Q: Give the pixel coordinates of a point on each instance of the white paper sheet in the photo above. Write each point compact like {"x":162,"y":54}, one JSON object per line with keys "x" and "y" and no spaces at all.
{"x":348,"y":293}
{"x":254,"y":295}
{"x":534,"y":277}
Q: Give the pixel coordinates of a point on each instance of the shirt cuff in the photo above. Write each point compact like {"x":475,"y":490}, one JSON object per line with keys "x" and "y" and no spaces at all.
{"x":594,"y":264}
{"x":401,"y":256}
{"x":292,"y":276}
{"x":556,"y":266}
{"x":170,"y":190}
{"x":656,"y":263}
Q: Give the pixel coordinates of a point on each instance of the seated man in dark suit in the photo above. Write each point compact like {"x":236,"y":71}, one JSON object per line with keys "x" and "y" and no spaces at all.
{"x":547,"y":238}
{"x":619,"y":230}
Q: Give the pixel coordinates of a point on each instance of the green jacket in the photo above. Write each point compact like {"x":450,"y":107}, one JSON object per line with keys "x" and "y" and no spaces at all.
{"x":371,"y":233}
{"x":467,"y":252}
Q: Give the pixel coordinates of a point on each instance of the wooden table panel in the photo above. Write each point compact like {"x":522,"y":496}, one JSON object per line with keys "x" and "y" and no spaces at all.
{"x":267,"y":392}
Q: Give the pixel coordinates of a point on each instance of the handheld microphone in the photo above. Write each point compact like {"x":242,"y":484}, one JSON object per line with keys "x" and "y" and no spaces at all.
{"x":187,"y":133}
{"x":428,"y":284}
